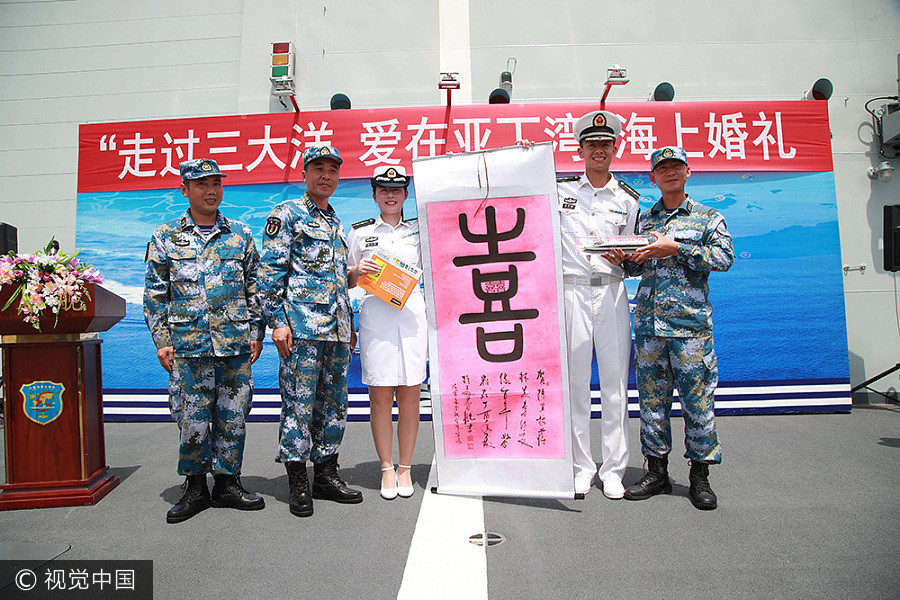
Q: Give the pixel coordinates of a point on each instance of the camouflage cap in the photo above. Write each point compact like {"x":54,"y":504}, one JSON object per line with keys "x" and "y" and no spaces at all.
{"x":314,"y":152}
{"x":666,"y":153}
{"x":199,"y":168}
{"x":388,"y":176}
{"x":599,"y":125}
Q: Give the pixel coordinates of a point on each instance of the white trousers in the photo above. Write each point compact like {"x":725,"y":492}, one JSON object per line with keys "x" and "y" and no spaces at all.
{"x":598,"y":318}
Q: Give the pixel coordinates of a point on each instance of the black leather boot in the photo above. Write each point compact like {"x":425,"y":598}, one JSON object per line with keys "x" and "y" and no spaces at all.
{"x":195,"y":499}
{"x":300,"y":504}
{"x":702,"y":496}
{"x":328,"y":485}
{"x":655,"y":480}
{"x":228,"y":492}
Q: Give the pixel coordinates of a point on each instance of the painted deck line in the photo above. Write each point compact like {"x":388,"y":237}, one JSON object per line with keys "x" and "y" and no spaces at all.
{"x":440,"y":549}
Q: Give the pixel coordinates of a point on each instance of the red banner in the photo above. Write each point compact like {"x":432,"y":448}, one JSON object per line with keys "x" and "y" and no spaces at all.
{"x":267,"y":148}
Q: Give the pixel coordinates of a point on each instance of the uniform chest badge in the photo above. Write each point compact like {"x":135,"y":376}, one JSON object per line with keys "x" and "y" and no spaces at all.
{"x":181,"y":241}
{"x":273,"y":226}
{"x":43,"y":401}
{"x":371,"y":241}
{"x":569,"y":203}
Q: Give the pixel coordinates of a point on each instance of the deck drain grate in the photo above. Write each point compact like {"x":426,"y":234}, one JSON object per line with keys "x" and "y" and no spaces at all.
{"x":492,"y":539}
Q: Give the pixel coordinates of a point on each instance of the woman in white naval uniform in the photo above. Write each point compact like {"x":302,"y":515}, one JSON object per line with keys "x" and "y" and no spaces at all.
{"x":392,"y":343}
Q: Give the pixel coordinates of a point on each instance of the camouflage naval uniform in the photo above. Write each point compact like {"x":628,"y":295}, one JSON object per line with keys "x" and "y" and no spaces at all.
{"x":673,"y":329}
{"x":303,"y":284}
{"x":200,"y":297}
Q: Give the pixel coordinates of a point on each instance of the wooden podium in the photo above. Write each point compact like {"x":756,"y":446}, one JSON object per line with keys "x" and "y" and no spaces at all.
{"x":53,"y":404}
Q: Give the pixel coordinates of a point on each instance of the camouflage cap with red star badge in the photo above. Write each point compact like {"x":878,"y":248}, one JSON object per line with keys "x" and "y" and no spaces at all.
{"x":199,"y":168}
{"x":314,"y":152}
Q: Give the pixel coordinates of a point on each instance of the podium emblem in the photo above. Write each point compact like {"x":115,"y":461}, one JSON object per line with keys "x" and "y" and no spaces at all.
{"x":43,"y":401}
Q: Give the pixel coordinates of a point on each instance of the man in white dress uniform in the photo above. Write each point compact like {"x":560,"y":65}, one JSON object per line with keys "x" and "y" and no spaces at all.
{"x":596,"y":303}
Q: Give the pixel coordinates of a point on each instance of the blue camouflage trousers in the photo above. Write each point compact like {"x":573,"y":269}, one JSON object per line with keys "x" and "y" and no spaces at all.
{"x":661,"y":364}
{"x":210,"y":398}
{"x":313,"y":382}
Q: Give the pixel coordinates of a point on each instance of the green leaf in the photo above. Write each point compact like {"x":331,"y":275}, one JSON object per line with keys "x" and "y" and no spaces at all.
{"x":12,"y":298}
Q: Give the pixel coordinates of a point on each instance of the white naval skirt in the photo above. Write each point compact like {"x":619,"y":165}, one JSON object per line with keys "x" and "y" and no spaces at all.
{"x":393,"y":344}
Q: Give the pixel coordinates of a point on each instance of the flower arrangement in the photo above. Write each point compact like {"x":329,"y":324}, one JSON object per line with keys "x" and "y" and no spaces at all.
{"x":47,"y":280}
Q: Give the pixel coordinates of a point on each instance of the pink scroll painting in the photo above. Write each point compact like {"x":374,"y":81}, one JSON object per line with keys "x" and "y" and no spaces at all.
{"x":496,"y":309}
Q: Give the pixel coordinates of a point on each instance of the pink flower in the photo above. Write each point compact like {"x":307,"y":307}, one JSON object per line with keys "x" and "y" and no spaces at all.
{"x":46,"y":281}
{"x":91,"y":275}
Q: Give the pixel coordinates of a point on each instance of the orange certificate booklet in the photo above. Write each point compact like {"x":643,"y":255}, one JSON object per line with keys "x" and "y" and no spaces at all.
{"x":396,"y":280}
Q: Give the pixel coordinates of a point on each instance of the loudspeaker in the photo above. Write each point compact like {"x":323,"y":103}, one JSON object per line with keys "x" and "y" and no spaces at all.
{"x":8,"y":239}
{"x":892,"y":238}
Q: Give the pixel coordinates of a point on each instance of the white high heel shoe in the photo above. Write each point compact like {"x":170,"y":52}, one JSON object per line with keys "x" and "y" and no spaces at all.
{"x":391,"y":492}
{"x":405,"y":491}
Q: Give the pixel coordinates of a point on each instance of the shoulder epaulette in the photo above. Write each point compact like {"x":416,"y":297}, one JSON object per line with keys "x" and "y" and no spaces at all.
{"x":411,"y":220}
{"x":629,"y":190}
{"x":362,"y":223}
{"x":562,"y":178}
